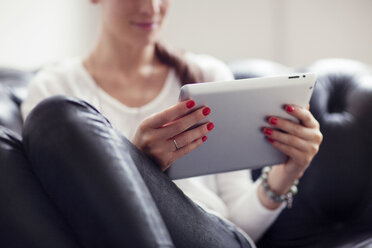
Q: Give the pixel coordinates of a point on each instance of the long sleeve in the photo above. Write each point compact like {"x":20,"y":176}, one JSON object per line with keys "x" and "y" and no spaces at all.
{"x":37,"y":91}
{"x":48,"y":82}
{"x":240,"y":194}
{"x":64,"y":78}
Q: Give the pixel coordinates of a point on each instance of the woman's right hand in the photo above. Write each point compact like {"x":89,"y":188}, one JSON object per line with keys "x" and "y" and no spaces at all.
{"x":159,"y":135}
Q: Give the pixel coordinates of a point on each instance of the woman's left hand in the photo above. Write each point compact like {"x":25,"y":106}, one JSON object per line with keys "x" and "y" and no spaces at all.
{"x":300,"y":141}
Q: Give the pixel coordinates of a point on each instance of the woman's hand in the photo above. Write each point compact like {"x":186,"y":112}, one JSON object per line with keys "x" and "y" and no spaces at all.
{"x":299,"y":141}
{"x":162,"y":136}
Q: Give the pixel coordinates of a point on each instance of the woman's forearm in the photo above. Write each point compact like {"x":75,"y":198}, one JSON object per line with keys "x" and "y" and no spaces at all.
{"x":280,"y":181}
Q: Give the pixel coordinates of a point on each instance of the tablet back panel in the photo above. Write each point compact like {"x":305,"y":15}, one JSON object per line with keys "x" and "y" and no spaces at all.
{"x":239,"y":111}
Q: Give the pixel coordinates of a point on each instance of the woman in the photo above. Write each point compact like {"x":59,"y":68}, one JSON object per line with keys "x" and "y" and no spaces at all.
{"x":133,"y":80}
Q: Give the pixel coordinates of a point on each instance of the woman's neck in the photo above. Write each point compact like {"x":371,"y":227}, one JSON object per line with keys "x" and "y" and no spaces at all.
{"x":115,"y":54}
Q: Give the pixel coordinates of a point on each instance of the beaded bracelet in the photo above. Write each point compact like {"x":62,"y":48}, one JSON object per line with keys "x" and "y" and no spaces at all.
{"x":288,"y":197}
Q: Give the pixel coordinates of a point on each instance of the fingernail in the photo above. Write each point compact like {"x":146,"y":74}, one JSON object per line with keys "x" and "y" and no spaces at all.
{"x":210,"y":126}
{"x":206,"y":111}
{"x":268,"y":131}
{"x":289,"y":108}
{"x":190,"y":104}
{"x":270,"y":140}
{"x":273,"y":121}
{"x":204,"y":138}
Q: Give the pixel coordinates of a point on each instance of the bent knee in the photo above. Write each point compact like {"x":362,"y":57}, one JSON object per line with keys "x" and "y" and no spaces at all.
{"x":60,"y":107}
{"x":57,"y":111}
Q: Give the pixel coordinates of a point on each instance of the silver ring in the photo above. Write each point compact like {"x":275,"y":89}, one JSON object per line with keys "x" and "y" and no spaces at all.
{"x":175,"y":144}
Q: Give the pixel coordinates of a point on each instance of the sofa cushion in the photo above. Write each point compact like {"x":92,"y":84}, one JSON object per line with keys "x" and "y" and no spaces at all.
{"x":16,"y":81}
{"x":13,"y":90}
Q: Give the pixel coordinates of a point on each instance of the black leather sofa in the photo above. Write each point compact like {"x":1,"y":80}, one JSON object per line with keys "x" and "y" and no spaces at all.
{"x":334,"y":204}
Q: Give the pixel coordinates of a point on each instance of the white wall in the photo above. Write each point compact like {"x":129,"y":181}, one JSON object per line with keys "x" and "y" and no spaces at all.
{"x":33,"y":32}
{"x":293,"y":32}
{"x":328,"y":28}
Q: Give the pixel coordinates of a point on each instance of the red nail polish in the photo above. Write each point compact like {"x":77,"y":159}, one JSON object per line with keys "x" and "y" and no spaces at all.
{"x":206,"y":111}
{"x":204,"y":138}
{"x":190,"y":104}
{"x":289,"y":108}
{"x":270,"y":140}
{"x":268,"y":131}
{"x":273,"y":121}
{"x":210,"y":126}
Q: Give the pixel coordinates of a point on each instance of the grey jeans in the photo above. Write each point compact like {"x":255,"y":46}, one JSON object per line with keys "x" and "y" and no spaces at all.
{"x":97,"y":179}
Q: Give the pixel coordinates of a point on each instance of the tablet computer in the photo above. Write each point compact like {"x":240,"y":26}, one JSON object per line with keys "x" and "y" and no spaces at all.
{"x":239,"y":110}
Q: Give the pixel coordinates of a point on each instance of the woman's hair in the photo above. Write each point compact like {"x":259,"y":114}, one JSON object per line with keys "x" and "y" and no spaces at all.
{"x":187,"y":72}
